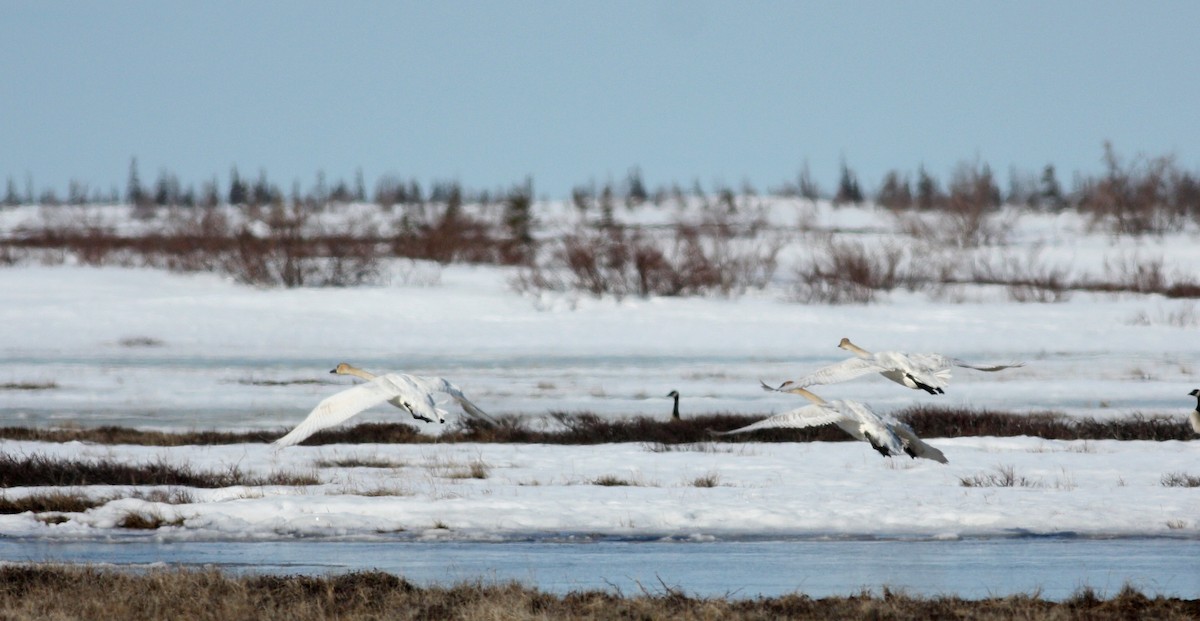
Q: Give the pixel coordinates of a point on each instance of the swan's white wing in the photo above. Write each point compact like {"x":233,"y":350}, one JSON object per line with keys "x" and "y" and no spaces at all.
{"x":808,"y":416}
{"x":916,"y":445}
{"x":871,"y":424}
{"x":341,"y":407}
{"x":983,"y":367}
{"x":439,"y":384}
{"x":838,"y":372}
{"x":930,"y":369}
{"x":415,"y":394}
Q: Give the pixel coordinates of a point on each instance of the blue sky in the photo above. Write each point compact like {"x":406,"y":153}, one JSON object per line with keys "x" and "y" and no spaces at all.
{"x":571,"y":91}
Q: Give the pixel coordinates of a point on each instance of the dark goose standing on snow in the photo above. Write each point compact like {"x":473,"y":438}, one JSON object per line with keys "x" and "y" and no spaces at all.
{"x":675,"y":412}
{"x":1195,"y":415}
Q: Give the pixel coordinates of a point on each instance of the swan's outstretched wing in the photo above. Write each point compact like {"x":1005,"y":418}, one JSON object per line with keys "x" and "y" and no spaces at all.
{"x":933,"y":370}
{"x":989,"y":368}
{"x":876,"y":429}
{"x":807,"y":416}
{"x":834,"y":373}
{"x":916,"y":446}
{"x":439,"y":384}
{"x":344,"y":405}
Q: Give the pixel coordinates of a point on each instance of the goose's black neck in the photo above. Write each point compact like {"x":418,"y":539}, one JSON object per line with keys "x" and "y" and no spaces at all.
{"x":675,"y":412}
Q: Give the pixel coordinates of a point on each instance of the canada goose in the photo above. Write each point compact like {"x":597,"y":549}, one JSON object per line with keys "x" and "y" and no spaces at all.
{"x":928,"y":372}
{"x":885,"y":434}
{"x":1195,"y":415}
{"x":675,"y":412}
{"x":411,"y":393}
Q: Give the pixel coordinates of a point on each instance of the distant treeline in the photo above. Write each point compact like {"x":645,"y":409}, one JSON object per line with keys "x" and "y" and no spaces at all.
{"x":1125,"y":188}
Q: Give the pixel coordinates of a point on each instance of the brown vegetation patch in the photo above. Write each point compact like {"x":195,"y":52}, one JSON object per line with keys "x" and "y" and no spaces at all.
{"x":588,"y":428}
{"x":41,"y":592}
{"x":110,"y":434}
{"x":29,"y":386}
{"x":41,"y":470}
{"x":1180,"y":479}
{"x":55,"y":501}
{"x":146,"y":521}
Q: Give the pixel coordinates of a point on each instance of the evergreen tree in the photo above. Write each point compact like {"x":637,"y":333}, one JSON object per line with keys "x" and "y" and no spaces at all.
{"x":134,"y":194}
{"x":11,"y":197}
{"x":928,"y":194}
{"x":848,"y":190}
{"x":1049,"y":191}
{"x":238,"y":193}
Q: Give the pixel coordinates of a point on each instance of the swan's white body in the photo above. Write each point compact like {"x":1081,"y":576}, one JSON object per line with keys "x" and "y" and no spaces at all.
{"x":928,"y":372}
{"x":1194,"y":416}
{"x":411,"y":393}
{"x":885,"y":434}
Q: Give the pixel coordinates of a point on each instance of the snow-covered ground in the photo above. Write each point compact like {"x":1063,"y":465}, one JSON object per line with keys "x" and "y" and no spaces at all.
{"x":153,"y":349}
{"x":762,"y":490}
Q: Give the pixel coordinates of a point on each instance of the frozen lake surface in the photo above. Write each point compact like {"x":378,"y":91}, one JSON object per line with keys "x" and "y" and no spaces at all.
{"x":1054,"y":567}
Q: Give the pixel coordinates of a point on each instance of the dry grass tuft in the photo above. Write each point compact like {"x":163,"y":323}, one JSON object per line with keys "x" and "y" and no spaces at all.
{"x":1004,"y":476}
{"x":360,"y":462}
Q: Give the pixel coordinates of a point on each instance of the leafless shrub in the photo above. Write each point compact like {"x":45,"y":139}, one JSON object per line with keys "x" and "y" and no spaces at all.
{"x":287,"y":253}
{"x":719,"y":258}
{"x":711,"y":479}
{"x":1029,"y":278}
{"x":1183,"y":316}
{"x":1138,"y":198}
{"x":1180,"y":479}
{"x":1132,"y":273}
{"x":1003,"y":476}
{"x":850,"y":272}
{"x":446,"y":233}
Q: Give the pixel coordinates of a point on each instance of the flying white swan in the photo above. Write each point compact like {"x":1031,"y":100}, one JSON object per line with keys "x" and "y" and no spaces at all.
{"x":675,"y":412}
{"x":411,"y":393}
{"x":928,"y":372}
{"x":1195,"y":414}
{"x":885,"y":434}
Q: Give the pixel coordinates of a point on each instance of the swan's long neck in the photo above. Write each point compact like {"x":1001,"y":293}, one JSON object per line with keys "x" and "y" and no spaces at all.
{"x":807,"y":395}
{"x":675,"y":412}
{"x":357,"y":372}
{"x":855,"y":349}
